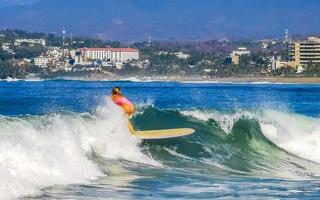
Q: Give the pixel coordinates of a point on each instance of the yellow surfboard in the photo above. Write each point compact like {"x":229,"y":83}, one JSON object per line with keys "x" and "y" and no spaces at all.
{"x":161,"y":134}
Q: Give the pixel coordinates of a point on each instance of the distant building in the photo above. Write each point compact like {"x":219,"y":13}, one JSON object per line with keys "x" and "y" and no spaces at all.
{"x":6,"y":47}
{"x":235,"y":55}
{"x":235,"y":59}
{"x":31,"y":42}
{"x":41,"y":61}
{"x":264,"y":45}
{"x":304,"y":52}
{"x":163,"y":53}
{"x":109,"y":54}
{"x":182,"y":55}
{"x":241,"y":51}
{"x":179,"y":54}
{"x":281,"y":64}
{"x":277,"y":63}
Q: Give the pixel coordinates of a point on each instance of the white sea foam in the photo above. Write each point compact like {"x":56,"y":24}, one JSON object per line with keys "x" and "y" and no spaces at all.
{"x":27,"y":80}
{"x":297,"y":134}
{"x":260,"y":82}
{"x":225,"y":121}
{"x":9,"y":79}
{"x":34,"y":80}
{"x":200,"y":82}
{"x":132,"y":79}
{"x":145,"y":79}
{"x":40,"y":151}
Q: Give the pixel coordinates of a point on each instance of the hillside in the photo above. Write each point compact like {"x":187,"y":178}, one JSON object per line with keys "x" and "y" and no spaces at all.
{"x":132,"y":20}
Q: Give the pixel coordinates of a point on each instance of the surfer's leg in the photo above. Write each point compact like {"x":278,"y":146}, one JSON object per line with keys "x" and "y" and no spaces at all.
{"x":130,"y":127}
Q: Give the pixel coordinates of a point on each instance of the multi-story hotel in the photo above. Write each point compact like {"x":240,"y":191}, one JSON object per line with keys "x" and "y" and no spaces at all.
{"x":305,"y":52}
{"x":109,"y":54}
{"x":235,"y":55}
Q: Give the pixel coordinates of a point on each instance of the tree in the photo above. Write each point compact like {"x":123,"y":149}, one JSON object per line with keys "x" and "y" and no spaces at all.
{"x":4,"y":55}
{"x":29,"y":52}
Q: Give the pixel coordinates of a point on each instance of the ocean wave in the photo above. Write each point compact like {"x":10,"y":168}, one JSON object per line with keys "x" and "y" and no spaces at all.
{"x":27,"y":80}
{"x":200,"y":82}
{"x":40,"y":151}
{"x":226,"y":121}
{"x":55,"y":149}
{"x":223,"y":143}
{"x":296,"y":134}
{"x":34,"y":80}
{"x":11,"y":79}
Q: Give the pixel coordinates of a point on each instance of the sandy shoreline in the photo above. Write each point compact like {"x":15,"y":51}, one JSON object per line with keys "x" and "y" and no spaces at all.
{"x":301,"y":80}
{"x":262,"y":80}
{"x":297,"y":80}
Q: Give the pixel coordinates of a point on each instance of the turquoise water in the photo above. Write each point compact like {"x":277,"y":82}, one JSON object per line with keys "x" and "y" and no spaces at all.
{"x":66,"y":140}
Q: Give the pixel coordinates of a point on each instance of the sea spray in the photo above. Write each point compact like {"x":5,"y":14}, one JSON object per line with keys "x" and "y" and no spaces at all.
{"x":32,"y":157}
{"x":40,"y":151}
{"x":225,"y":121}
{"x":294,"y":133}
{"x":299,"y":135}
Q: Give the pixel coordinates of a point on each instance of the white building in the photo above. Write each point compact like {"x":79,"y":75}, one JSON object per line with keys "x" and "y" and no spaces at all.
{"x":235,"y":55}
{"x":31,"y":42}
{"x":277,"y":63}
{"x":182,"y":55}
{"x":109,"y":54}
{"x":240,"y":51}
{"x":6,"y":47}
{"x":41,"y":61}
{"x":163,"y":53}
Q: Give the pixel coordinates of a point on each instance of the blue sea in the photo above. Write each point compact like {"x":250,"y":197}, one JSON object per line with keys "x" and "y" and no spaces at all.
{"x":63,"y":139}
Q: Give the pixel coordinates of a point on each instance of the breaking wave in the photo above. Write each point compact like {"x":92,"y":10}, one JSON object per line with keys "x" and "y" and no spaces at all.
{"x":40,"y":151}
{"x":56,"y":149}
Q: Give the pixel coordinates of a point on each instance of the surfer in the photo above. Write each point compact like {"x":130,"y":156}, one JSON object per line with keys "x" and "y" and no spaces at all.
{"x":126,"y":105}
{"x":129,"y":108}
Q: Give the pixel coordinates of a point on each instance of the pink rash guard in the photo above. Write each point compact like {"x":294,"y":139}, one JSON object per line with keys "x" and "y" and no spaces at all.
{"x":120,"y":101}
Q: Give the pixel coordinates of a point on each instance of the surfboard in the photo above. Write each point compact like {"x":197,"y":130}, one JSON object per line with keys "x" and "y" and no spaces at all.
{"x":161,"y":134}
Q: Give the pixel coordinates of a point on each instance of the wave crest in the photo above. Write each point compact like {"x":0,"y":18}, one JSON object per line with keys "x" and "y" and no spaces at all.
{"x":40,"y":151}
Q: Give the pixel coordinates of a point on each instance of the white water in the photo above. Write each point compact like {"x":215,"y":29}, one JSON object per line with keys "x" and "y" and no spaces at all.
{"x":225,"y":121}
{"x":296,"y":134}
{"x":41,"y":151}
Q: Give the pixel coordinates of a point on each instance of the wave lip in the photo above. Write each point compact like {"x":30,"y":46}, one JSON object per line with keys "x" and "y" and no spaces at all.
{"x":299,"y":135}
{"x":266,"y":143}
{"x":296,"y":134}
{"x":225,"y":121}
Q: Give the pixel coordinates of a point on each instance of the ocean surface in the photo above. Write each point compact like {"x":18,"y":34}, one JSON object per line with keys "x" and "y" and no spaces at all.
{"x":64,"y":139}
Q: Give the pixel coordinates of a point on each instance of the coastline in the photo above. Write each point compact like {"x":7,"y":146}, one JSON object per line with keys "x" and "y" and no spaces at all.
{"x":298,"y":80}
{"x":185,"y":79}
{"x":261,"y":80}
{"x":288,"y":80}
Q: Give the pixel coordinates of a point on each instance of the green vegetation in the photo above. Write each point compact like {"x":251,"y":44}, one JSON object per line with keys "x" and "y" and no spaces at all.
{"x":208,"y":58}
{"x":28,"y":52}
{"x":312,"y":70}
{"x":4,"y":55}
{"x":12,"y":70}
